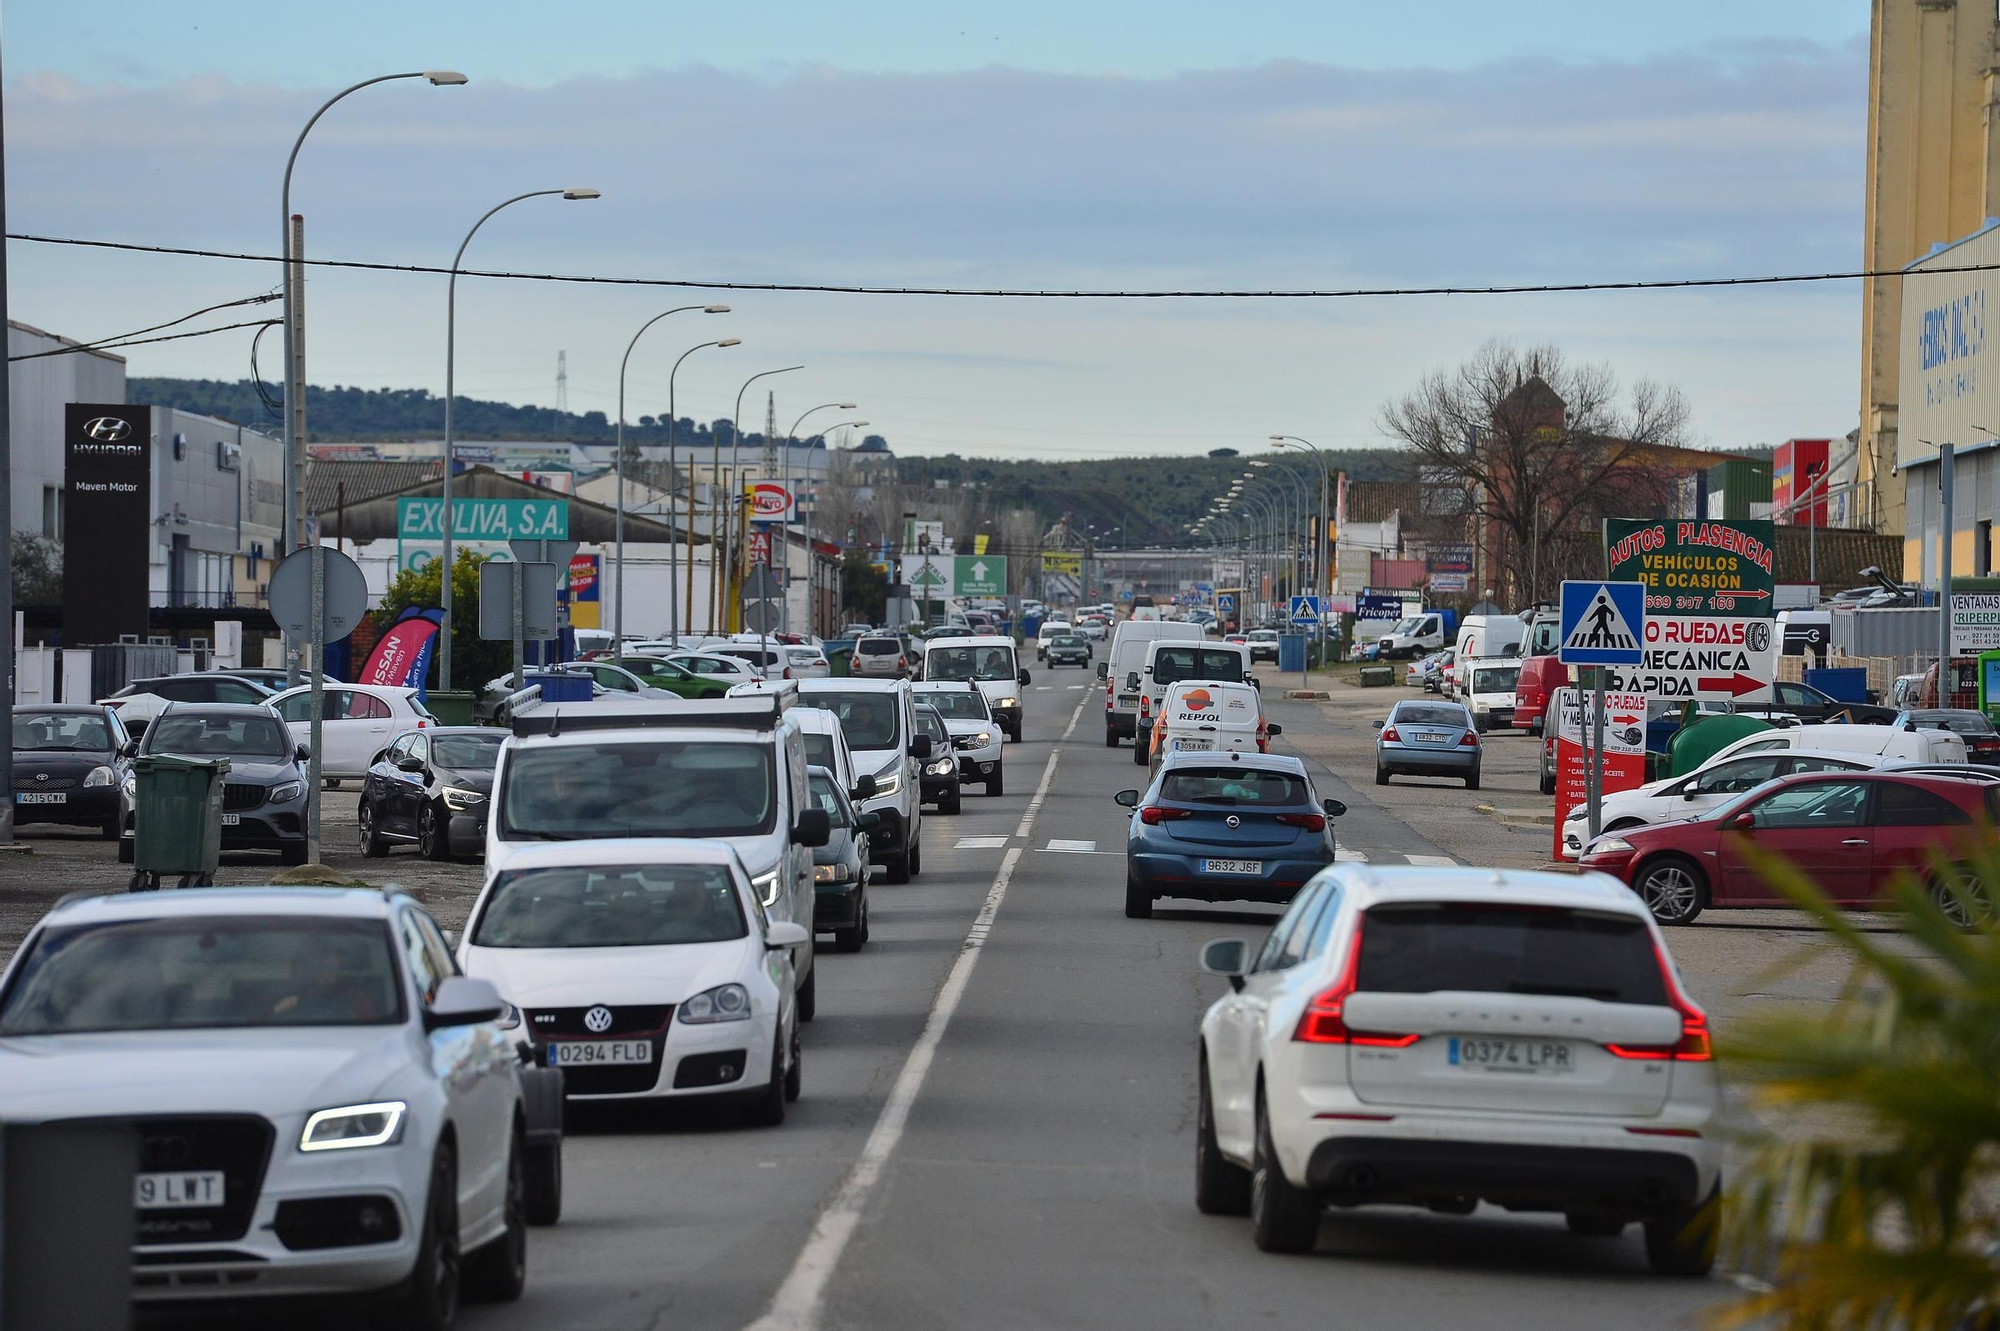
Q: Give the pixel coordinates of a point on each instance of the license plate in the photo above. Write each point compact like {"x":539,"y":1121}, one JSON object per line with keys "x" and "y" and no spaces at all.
{"x":1530,"y":1057}
{"x":600,"y":1053}
{"x":40,"y":797}
{"x":1430,"y":737}
{"x":1232,"y":866}
{"x":232,"y":820}
{"x":160,"y":1192}
{"x":1193,"y":745}
{"x":1128,"y":700}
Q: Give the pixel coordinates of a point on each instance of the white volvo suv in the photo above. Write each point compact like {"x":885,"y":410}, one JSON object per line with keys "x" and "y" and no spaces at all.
{"x":1446,"y":1037}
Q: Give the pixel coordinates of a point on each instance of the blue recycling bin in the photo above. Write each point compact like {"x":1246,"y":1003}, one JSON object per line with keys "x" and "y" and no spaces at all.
{"x":1292,"y":652}
{"x":561,"y":686}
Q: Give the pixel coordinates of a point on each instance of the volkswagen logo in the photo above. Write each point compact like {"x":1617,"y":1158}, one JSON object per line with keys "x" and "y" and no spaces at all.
{"x":598,"y":1020}
{"x":1234,"y":821}
{"x":107,"y":429}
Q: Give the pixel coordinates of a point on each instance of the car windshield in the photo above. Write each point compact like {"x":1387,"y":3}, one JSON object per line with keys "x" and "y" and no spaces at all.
{"x":931,"y":724}
{"x":1420,"y":948}
{"x":194,"y":974}
{"x":1232,"y":785}
{"x":476,"y":752}
{"x":61,"y":732}
{"x":967,"y":706}
{"x":650,"y":788}
{"x":200,"y":736}
{"x":1177,"y":663}
{"x":988,"y":663}
{"x":607,"y":905}
{"x":802,"y":655}
{"x":827,"y":797}
{"x":1420,"y":714}
{"x":1495,"y":679}
{"x":1407,"y":625}
{"x":1958,"y":721}
{"x":1068,"y":640}
{"x":819,"y":750}
{"x":867,"y":719}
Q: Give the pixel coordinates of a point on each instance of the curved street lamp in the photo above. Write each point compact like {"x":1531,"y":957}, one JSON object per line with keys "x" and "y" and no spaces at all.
{"x":716,"y":522}
{"x":673,"y":580}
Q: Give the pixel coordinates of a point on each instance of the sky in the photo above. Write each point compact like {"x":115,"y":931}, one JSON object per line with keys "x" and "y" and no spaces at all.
{"x":1105,"y":146}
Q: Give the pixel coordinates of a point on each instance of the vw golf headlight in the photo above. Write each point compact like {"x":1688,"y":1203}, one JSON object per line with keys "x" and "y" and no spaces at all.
{"x":766,"y":886}
{"x":832,"y":873}
{"x":289,"y":791}
{"x":350,"y":1126}
{"x":100,"y":776}
{"x":1607,"y":844}
{"x":725,"y":1002}
{"x":458,"y":799}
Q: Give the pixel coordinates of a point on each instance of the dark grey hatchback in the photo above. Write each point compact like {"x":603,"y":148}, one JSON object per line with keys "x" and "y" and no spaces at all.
{"x":264,"y":793}
{"x":67,"y":766}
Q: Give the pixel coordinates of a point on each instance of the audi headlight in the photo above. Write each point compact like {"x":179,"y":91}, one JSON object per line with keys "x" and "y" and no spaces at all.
{"x":888,"y":781}
{"x":766,"y":886}
{"x":725,"y":1002}
{"x":1607,"y":845}
{"x":832,"y":873}
{"x":458,"y":799}
{"x":100,"y":776}
{"x":291,"y":790}
{"x":353,"y":1125}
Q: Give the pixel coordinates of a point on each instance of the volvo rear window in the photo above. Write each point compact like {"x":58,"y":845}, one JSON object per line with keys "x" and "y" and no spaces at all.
{"x":1498,"y":949}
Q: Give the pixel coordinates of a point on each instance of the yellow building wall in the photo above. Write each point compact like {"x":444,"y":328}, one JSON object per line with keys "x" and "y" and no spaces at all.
{"x":1964,"y":548}
{"x":1933,"y":175}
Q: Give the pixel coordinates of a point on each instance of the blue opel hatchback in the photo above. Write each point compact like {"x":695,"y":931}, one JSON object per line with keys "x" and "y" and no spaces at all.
{"x":1225,"y":827}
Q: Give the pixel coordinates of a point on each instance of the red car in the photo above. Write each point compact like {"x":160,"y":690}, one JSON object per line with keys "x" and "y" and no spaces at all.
{"x":1851,"y":832}
{"x":1535,"y":688}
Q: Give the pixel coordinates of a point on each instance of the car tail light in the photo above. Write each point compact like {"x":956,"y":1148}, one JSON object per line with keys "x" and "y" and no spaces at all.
{"x":1312,"y":822}
{"x":1694,"y":1045}
{"x":1323,"y":1023}
{"x":1153,"y":815}
{"x":1389,"y":733}
{"x":1145,"y":704}
{"x":787,"y":674}
{"x":422,"y":722}
{"x":902,"y":663}
{"x":1470,"y":738}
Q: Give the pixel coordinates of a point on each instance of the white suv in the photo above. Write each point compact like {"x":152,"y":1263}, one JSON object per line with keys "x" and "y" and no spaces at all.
{"x":1445,"y":1037}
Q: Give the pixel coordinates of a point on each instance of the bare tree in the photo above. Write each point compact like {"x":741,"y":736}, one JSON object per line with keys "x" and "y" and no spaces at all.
{"x":1543,"y":448}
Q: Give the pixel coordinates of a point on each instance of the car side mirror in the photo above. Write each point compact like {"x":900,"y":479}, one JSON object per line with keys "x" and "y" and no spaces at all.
{"x":814,"y":828}
{"x":785,"y":933}
{"x":409,"y":762}
{"x":303,"y":753}
{"x":1334,"y":808}
{"x":1228,"y":957}
{"x":920,"y":747}
{"x":864,"y":789}
{"x":1743,"y":822}
{"x":130,"y":749}
{"x":1024,"y":676}
{"x":463,"y":1000}
{"x":1274,"y":730}
{"x":868,"y":822}
{"x":1104,"y":670}
{"x":1128,"y":799}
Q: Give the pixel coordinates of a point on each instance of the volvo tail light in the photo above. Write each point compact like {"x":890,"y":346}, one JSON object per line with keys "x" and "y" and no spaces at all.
{"x":1694,"y":1045}
{"x":1323,"y":1022}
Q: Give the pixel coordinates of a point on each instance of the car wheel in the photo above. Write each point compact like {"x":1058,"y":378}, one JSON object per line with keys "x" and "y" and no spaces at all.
{"x":1110,"y":738}
{"x":432,"y":843}
{"x":1138,"y":898}
{"x":1220,"y":1188}
{"x":952,"y":804}
{"x":112,"y":828}
{"x":1673,"y":888}
{"x":916,"y":860}
{"x":428,"y":1300}
{"x":1548,"y":782}
{"x":1959,"y":893}
{"x":545,"y":1183}
{"x":898,"y":868}
{"x":498,"y":1271}
{"x":372,"y":845}
{"x":125,"y":845}
{"x":808,"y":995}
{"x":768,"y":1110}
{"x":1139,"y":748}
{"x":1594,"y":1226}
{"x":1381,"y":776}
{"x":1282,"y":1218}
{"x":795,"y":1075}
{"x":293,"y":854}
{"x":1015,"y":733}
{"x":997,"y":783}
{"x":1682,"y":1241}
{"x":850,"y":940}
{"x":1472,"y":782}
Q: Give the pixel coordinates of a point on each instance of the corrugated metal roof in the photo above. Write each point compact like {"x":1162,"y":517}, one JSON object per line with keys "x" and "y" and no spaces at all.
{"x":363,"y":480}
{"x":375,"y":518}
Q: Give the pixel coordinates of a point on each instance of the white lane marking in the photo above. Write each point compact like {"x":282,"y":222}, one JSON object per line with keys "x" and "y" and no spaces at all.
{"x":1343,"y":855}
{"x":1431,"y":861}
{"x":981,"y":842}
{"x":1051,"y":850}
{"x":1083,"y":847}
{"x":1074,"y":687}
{"x":796,"y":1306}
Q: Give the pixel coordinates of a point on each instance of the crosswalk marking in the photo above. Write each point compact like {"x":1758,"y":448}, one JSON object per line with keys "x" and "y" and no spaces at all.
{"x":981,"y":842}
{"x":1342,"y":855}
{"x":1431,"y":861}
{"x":1073,"y":847}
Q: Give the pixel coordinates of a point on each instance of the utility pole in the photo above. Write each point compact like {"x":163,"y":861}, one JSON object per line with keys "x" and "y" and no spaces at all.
{"x":295,"y":310}
{"x":7,"y":663}
{"x":1945,"y":468}
{"x":781,"y":534}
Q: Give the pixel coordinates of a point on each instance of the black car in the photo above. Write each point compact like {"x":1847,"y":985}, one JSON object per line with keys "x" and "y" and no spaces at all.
{"x":264,"y":792}
{"x":1068,"y":649}
{"x":938,"y":783}
{"x":431,"y":787}
{"x":67,"y":766}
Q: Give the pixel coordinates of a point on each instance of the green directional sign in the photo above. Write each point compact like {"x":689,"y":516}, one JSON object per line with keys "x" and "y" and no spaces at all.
{"x":981,"y":575}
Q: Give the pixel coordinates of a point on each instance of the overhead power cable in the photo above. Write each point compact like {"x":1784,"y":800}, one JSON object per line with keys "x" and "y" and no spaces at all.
{"x":140,"y":341}
{"x":1024,"y":293}
{"x":128,"y":339}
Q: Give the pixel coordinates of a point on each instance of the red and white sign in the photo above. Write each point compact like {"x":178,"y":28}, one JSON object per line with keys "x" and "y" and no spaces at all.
{"x":760,"y":545}
{"x":771,"y":502}
{"x":1624,"y":748}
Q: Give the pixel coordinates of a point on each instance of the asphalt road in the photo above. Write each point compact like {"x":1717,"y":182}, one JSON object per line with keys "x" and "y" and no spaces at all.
{"x":998,"y":1116}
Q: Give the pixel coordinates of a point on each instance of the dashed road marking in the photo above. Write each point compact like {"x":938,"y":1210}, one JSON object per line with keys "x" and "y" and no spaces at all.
{"x":1432,"y":861}
{"x":1074,"y":847}
{"x":1342,"y":855}
{"x":981,"y":842}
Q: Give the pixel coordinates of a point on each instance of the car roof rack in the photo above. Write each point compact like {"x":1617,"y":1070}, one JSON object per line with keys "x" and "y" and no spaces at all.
{"x":550,"y":720}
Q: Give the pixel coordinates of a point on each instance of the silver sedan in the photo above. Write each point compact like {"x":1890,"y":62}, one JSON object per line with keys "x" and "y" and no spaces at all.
{"x":1428,"y":739}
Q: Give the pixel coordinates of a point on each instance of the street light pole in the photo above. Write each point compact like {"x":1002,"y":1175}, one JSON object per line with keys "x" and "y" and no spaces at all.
{"x":1322,"y":547}
{"x":715,"y":519}
{"x":673,"y":578}
{"x":618,"y":522}
{"x":293,"y":421}
{"x":450,"y":362}
{"x":812,"y":603}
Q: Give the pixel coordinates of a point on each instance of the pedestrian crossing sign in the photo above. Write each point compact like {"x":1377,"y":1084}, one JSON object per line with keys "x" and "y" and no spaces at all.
{"x":1603,"y":623}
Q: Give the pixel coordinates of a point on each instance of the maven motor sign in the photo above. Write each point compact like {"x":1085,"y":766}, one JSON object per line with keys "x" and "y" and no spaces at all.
{"x":1710,"y":631}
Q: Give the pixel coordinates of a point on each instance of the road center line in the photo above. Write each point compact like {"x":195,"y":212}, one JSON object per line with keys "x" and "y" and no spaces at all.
{"x":796,"y":1306}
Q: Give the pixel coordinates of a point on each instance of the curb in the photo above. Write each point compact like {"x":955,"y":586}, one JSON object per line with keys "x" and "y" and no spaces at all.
{"x":1308,"y":695}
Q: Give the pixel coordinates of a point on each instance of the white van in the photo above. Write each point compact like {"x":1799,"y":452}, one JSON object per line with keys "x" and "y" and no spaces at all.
{"x":1912,"y":746}
{"x":1485,"y":635}
{"x":1120,"y":672}
{"x":1204,"y":716}
{"x":1169,"y":662}
{"x":988,"y":661}
{"x":879,"y":718}
{"x":1489,"y":691}
{"x":1413,"y":636}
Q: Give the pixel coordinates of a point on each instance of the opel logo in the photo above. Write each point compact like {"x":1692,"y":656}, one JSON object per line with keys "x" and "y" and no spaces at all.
{"x":597,"y":1020}
{"x":107,"y":429}
{"x":1234,"y":821}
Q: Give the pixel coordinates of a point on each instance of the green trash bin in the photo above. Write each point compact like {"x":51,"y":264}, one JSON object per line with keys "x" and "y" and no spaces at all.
{"x":177,"y":824}
{"x":451,"y":706}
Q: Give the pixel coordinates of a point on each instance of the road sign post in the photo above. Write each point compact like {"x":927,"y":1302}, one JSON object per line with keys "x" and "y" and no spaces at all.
{"x":1603,"y":625}
{"x":317,"y":596}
